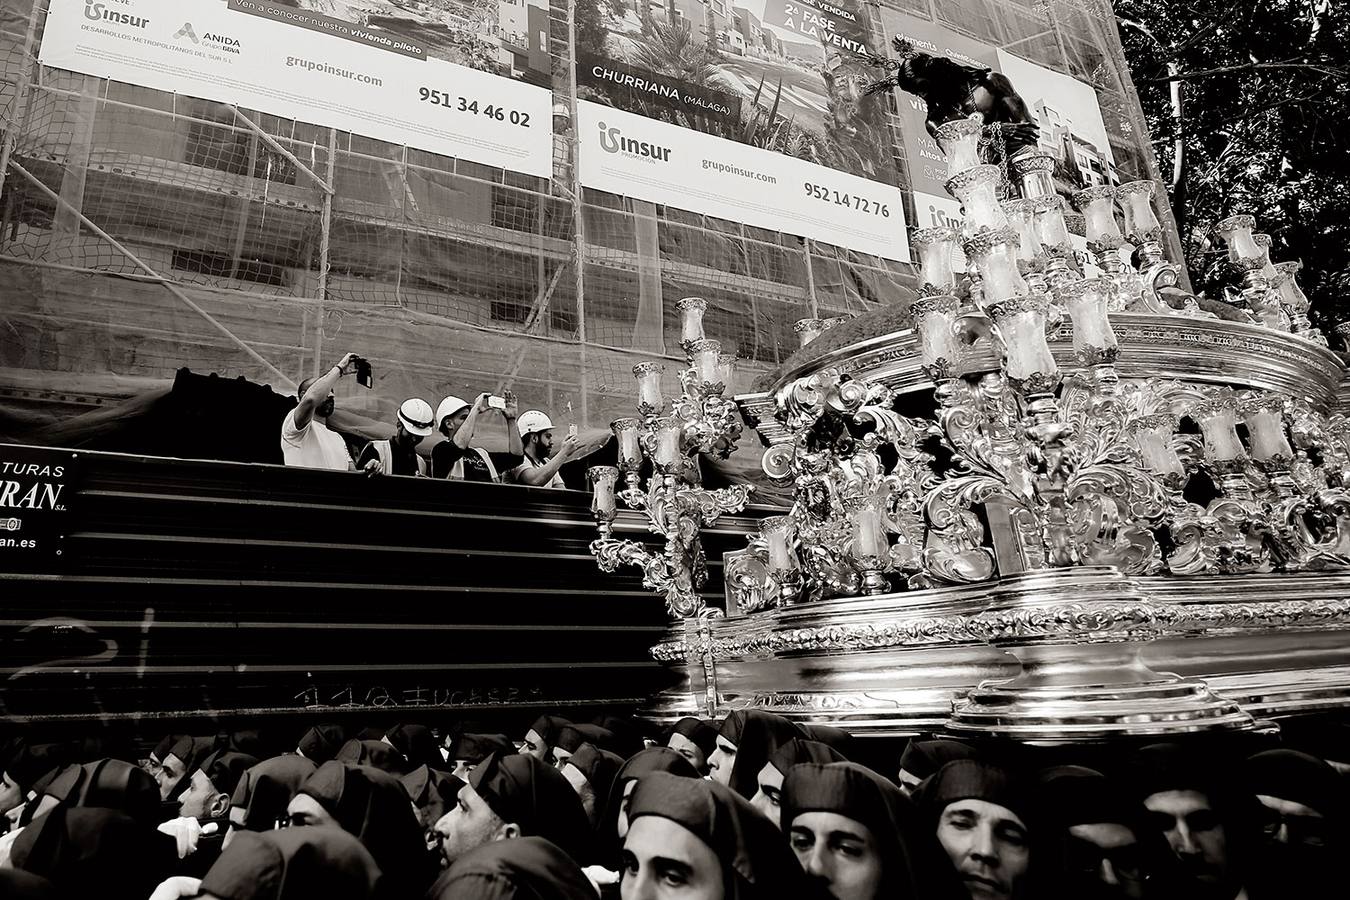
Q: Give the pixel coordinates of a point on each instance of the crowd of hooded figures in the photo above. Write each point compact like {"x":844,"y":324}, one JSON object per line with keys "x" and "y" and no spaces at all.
{"x":754,"y":806}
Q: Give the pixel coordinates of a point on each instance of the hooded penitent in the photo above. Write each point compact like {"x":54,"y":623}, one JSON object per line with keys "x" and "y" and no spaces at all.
{"x":1069,"y":796}
{"x":376,"y":754}
{"x":703,"y":734}
{"x":756,"y":735}
{"x":527,"y":868}
{"x":294,"y":864}
{"x":322,"y":742}
{"x":417,"y":745}
{"x":756,"y":861}
{"x":799,"y":751}
{"x":193,"y":752}
{"x":547,"y":727}
{"x":922,"y":758}
{"x":432,"y":792}
{"x":913,"y":862}
{"x":536,"y":797}
{"x":599,"y":767}
{"x":109,"y":784}
{"x":372,"y":805}
{"x":653,"y":759}
{"x":265,"y":789}
{"x":94,"y":853}
{"x":1306,"y":851}
{"x":474,"y":748}
{"x":570,"y":737}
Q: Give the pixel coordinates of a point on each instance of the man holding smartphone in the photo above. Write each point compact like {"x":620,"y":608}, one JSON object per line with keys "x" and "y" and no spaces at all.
{"x":457,"y":458}
{"x":541,"y":465}
{"x":306,"y":439}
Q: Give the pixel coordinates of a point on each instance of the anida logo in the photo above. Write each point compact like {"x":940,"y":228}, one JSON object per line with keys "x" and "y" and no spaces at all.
{"x":221,"y":42}
{"x":99,"y":12}
{"x":613,"y":141}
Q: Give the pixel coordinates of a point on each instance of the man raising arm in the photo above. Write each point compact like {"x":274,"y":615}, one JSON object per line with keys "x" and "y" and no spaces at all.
{"x":306,"y":439}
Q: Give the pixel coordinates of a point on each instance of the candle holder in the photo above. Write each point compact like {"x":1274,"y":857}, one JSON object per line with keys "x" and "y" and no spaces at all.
{"x":977,"y":189}
{"x":1142,"y":227}
{"x":691,"y":320}
{"x":628,"y":436}
{"x":651,"y":401}
{"x":706,"y":358}
{"x":960,"y":142}
{"x":785,"y":575}
{"x":1270,"y":448}
{"x":1249,"y":258}
{"x":603,"y":479}
{"x":994,"y":256}
{"x":1034,"y":173}
{"x":1052,"y":233}
{"x":700,"y":421}
{"x":937,"y":249}
{"x":1098,"y":206}
{"x":1088,"y":302}
{"x":939,"y":346}
{"x":808,"y":330}
{"x":1022,"y":219}
{"x":1295,"y":302}
{"x":869,"y":549}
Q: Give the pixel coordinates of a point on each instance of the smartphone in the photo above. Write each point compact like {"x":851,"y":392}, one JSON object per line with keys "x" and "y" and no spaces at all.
{"x":496,"y":403}
{"x":363,"y":374}
{"x":571,"y":431}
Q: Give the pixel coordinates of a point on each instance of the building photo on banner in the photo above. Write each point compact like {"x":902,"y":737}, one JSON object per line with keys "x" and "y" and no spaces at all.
{"x":751,"y":110}
{"x":451,"y":79}
{"x":1066,"y":109}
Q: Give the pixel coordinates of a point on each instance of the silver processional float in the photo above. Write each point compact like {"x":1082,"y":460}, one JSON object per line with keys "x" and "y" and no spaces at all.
{"x":1127,"y":514}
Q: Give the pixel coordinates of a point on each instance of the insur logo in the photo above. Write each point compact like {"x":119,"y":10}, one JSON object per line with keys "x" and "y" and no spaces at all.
{"x":613,"y":141}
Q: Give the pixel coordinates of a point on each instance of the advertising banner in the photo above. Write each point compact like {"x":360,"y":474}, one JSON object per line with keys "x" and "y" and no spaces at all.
{"x":37,"y":487}
{"x":778,"y":82}
{"x":450,"y":80}
{"x":640,"y":157}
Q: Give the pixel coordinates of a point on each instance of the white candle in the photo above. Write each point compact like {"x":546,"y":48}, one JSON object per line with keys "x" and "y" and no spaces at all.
{"x":777,"y":533}
{"x":869,"y":536}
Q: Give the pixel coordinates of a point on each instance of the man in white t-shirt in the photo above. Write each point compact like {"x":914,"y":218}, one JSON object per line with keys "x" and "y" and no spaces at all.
{"x":306,"y":439}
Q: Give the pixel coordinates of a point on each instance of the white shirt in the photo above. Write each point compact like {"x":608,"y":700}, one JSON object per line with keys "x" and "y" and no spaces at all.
{"x":314,"y":446}
{"x":554,"y":482}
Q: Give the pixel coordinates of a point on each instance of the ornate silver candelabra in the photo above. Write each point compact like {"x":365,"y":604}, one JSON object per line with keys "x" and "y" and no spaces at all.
{"x":669,"y":435}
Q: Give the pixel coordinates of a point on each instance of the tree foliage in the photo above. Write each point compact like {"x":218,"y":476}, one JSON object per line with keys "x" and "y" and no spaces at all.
{"x":1262,"y":126}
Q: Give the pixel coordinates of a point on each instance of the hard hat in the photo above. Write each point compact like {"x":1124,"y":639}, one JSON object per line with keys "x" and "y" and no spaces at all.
{"x":449,"y":406}
{"x":531,"y":421}
{"x":415,"y":414}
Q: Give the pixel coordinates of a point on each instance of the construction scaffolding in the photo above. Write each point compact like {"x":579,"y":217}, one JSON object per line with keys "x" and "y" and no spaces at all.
{"x":142,"y":231}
